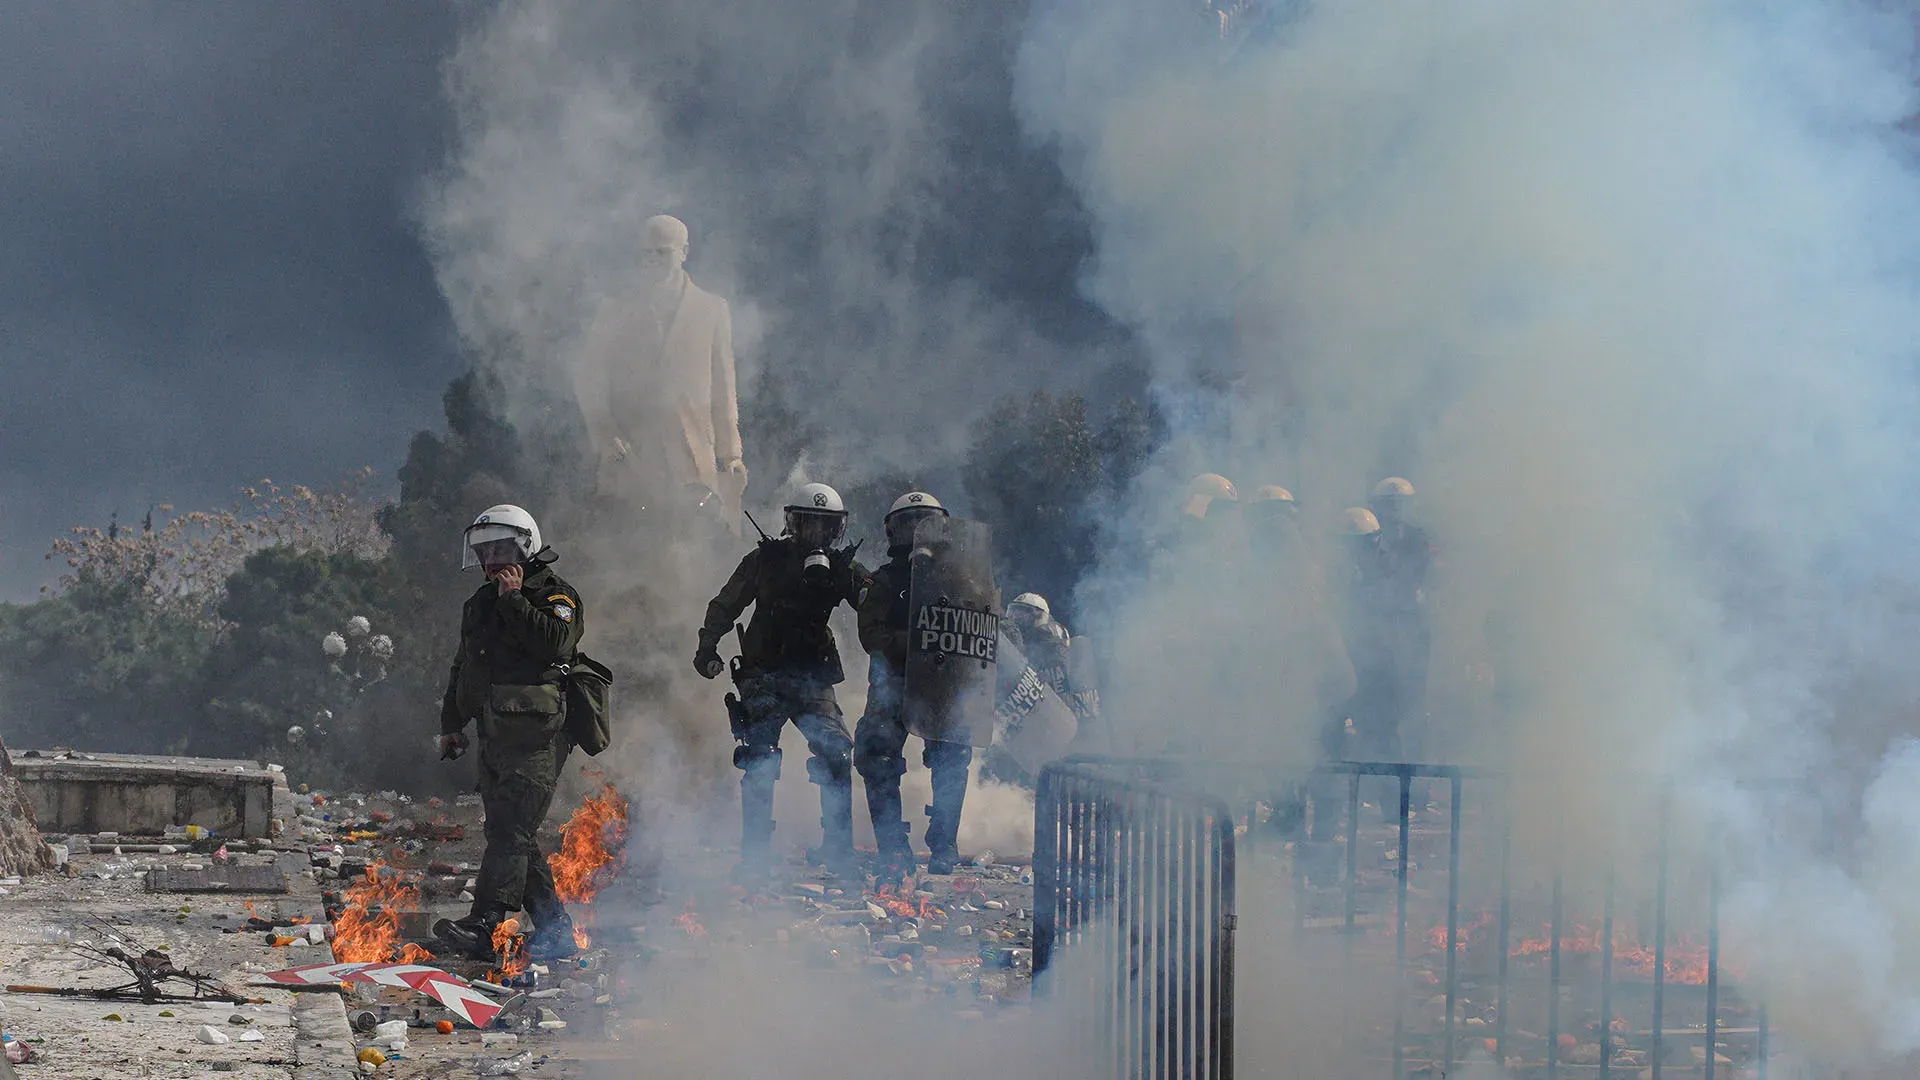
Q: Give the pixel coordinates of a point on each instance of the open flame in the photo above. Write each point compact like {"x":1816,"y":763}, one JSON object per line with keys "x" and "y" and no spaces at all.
{"x":581,"y":940}
{"x":592,"y":847}
{"x":511,"y":949}
{"x":902,"y":904}
{"x":368,"y":929}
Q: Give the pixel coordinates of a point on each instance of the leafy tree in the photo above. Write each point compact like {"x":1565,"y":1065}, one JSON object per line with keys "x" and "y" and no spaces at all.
{"x":1044,"y":474}
{"x":269,"y":672}
{"x":101,"y":666}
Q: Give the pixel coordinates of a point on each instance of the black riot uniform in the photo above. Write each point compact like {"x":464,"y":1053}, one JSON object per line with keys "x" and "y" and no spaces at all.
{"x":1048,"y":647}
{"x":507,"y":678}
{"x":880,"y":738}
{"x":789,"y":664}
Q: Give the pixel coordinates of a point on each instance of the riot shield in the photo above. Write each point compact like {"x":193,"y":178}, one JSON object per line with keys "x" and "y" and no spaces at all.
{"x":954,"y":623}
{"x":1036,"y":726}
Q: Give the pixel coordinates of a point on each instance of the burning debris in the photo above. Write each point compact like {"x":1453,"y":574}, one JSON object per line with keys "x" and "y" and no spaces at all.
{"x":510,"y":946}
{"x":592,"y":847}
{"x":367,"y":930}
{"x":1685,"y":963}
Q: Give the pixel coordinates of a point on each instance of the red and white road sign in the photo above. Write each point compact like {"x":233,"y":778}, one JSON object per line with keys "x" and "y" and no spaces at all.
{"x":450,"y":990}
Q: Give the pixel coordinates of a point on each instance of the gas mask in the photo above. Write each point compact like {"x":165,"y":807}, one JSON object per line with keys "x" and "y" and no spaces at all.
{"x":815,"y":533}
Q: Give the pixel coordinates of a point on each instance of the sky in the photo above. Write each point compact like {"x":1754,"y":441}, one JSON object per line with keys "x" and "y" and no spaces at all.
{"x":210,"y":269}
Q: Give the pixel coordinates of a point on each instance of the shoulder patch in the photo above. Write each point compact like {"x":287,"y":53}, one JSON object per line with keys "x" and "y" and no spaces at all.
{"x":560,"y":598}
{"x":563,"y":612}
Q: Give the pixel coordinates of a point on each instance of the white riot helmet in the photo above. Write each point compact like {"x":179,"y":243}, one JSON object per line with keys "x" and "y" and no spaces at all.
{"x":906,"y":514}
{"x":1271,"y":501}
{"x":1358,"y":521}
{"x":1393,"y":487}
{"x":1205,"y":490}
{"x":1390,"y":499}
{"x":816,"y":517}
{"x":1030,"y":608}
{"x":503,"y":534}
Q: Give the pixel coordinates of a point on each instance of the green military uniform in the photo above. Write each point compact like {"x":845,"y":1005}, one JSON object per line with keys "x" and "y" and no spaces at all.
{"x":789,"y":665}
{"x":505,"y":676}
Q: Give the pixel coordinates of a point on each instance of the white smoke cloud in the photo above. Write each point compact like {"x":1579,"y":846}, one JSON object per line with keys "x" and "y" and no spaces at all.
{"x":1628,"y":291}
{"x":1625,"y":289}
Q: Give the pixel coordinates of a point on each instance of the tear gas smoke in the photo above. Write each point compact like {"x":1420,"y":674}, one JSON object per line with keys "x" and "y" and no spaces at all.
{"x":1628,"y":291}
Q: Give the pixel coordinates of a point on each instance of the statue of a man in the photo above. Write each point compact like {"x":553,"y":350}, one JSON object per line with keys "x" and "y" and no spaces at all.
{"x":656,"y":387}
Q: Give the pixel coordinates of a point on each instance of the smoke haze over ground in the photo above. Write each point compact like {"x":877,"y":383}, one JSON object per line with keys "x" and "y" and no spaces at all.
{"x":1628,"y":290}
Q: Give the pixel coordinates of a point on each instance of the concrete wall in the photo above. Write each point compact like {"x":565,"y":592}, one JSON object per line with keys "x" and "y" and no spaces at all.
{"x":91,"y":793}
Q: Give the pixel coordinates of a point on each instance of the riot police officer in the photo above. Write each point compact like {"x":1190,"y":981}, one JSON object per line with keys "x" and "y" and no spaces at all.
{"x":516,"y":632}
{"x":880,"y":738}
{"x":1049,"y":649}
{"x":789,"y":664}
{"x":1408,"y":551}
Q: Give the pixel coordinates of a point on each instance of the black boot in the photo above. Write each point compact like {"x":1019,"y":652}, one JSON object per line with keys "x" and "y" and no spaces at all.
{"x":836,"y":828}
{"x":756,"y":825}
{"x":472,"y":937}
{"x":889,"y":830}
{"x":949,"y":764}
{"x":552,"y":940}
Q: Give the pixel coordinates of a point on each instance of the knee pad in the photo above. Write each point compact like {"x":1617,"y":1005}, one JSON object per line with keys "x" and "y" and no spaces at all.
{"x":754,"y":759}
{"x":830,"y":772}
{"x":880,"y":768}
{"x":939,"y":754}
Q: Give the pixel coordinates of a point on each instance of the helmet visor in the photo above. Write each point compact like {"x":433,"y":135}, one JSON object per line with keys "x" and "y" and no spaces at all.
{"x":494,"y":545}
{"x":815,"y":529}
{"x":902,"y":524}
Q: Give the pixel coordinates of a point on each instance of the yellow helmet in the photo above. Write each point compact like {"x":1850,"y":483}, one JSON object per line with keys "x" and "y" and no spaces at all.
{"x":1271,"y":493}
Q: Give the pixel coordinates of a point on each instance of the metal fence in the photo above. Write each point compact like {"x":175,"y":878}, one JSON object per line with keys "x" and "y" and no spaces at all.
{"x":1134,"y":864}
{"x":1135,"y":874}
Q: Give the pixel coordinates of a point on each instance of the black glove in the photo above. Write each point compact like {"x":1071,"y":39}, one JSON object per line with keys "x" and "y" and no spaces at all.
{"x":706,"y":661}
{"x":452,"y":745}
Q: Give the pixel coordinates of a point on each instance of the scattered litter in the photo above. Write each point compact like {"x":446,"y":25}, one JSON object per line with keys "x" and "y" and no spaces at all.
{"x":17,"y":1052}
{"x":372,"y":1056}
{"x":553,"y":1025}
{"x":211,"y":1035}
{"x":253,"y":1035}
{"x":508,"y":1067}
{"x":115,"y":1017}
{"x":444,"y":1027}
{"x":389,"y":1029}
{"x":498,"y":1038}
